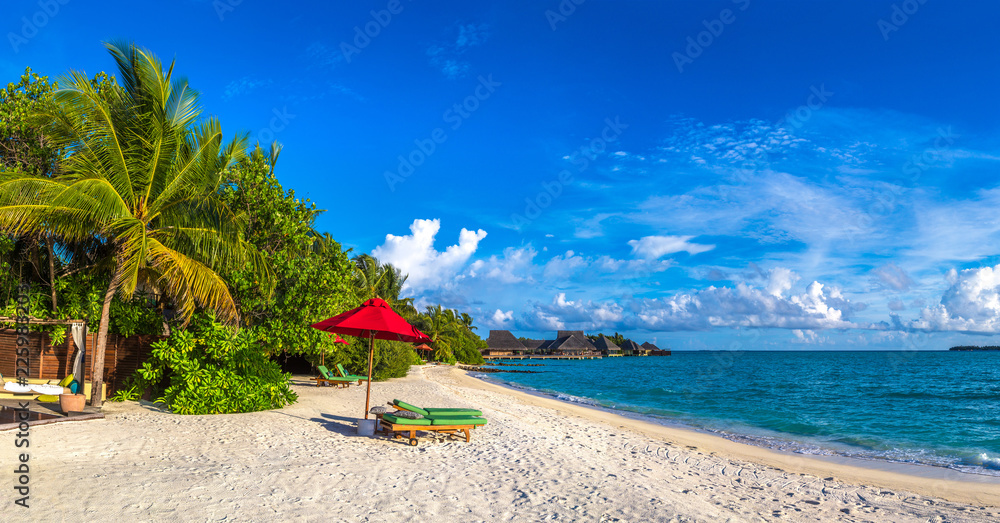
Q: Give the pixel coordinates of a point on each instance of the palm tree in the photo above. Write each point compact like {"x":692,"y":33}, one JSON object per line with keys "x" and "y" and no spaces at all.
{"x":140,"y":173}
{"x":373,"y":279}
{"x":442,"y":327}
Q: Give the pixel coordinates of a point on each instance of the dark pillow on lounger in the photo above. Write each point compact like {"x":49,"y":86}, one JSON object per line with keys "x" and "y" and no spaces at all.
{"x":406,"y":414}
{"x":378,"y":409}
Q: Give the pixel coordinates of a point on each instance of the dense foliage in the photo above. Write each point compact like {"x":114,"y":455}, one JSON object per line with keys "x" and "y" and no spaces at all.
{"x":124,"y":207}
{"x":139,"y":173}
{"x":312,"y":275}
{"x":66,"y":278}
{"x":212,"y":369}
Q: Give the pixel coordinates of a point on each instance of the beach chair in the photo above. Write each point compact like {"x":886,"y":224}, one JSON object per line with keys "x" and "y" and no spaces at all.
{"x":397,"y":427}
{"x":430,"y":412}
{"x":344,"y":374}
{"x":328,"y":378}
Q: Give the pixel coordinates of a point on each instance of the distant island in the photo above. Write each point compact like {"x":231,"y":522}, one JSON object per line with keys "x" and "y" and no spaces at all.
{"x":967,"y":348}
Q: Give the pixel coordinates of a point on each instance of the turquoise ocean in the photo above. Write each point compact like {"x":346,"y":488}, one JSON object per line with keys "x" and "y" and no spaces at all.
{"x":932,"y":408}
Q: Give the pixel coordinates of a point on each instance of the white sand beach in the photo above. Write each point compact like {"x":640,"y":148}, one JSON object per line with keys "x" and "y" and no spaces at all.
{"x":537,"y":459}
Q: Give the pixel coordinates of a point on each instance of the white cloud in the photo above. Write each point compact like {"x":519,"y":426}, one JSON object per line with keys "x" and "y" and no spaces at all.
{"x":516,"y":265}
{"x":971,"y":304}
{"x":501,"y":319}
{"x":654,"y":247}
{"x":579,"y":314}
{"x":415,"y":255}
{"x":563,"y":266}
{"x":819,"y":307}
{"x":746,"y":306}
{"x":780,"y":280}
{"x":808,"y":336}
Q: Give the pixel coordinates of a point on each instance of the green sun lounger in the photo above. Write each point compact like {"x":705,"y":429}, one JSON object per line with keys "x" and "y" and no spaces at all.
{"x":328,"y":378}
{"x":344,"y":374}
{"x":397,"y":426}
{"x":431,"y":412}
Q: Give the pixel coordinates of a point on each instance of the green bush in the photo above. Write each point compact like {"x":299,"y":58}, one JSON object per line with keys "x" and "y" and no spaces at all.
{"x":209,"y":369}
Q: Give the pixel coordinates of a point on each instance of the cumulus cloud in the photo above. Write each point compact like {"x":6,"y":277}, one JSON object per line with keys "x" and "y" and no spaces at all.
{"x":764,"y":305}
{"x":971,"y":304}
{"x":746,"y":306}
{"x":501,"y":319}
{"x":653,"y":247}
{"x":780,"y":280}
{"x":891,"y":276}
{"x":809,"y":336}
{"x":896,"y":305}
{"x":415,"y":255}
{"x":516,"y":265}
{"x":563,"y":266}
{"x":579,"y":314}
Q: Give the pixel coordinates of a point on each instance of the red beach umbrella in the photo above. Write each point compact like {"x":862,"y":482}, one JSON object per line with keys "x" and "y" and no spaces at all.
{"x":373,"y":319}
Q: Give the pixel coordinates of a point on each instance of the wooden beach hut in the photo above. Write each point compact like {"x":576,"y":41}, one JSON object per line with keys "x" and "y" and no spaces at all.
{"x":653,"y":350}
{"x":631,"y":348}
{"x":607,"y":347}
{"x":503,"y":343}
{"x":572,"y":343}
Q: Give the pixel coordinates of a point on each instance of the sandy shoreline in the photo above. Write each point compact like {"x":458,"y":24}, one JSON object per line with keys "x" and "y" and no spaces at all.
{"x":538,"y":458}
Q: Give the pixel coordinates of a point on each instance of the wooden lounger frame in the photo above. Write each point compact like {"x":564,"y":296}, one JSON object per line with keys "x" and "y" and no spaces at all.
{"x":397,"y":431}
{"x":337,"y":383}
{"x":394,"y":430}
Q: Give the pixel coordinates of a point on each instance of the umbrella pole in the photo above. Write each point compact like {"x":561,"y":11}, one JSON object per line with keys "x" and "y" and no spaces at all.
{"x":371,"y":358}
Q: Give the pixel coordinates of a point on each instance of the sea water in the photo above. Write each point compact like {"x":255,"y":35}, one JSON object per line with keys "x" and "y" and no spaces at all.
{"x":934,"y":408}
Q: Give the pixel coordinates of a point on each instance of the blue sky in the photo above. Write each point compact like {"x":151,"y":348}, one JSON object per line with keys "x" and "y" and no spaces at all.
{"x":711,"y":174}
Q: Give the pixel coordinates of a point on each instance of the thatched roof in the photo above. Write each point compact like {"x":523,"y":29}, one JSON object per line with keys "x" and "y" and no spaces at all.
{"x":630,"y":345}
{"x":604,"y":344}
{"x":650,"y":346}
{"x":503,"y":339}
{"x":535,"y":344}
{"x":574,"y":340}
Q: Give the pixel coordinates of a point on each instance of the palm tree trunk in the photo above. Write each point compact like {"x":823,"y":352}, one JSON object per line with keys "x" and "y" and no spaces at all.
{"x":97,"y":379}
{"x":52,"y":272}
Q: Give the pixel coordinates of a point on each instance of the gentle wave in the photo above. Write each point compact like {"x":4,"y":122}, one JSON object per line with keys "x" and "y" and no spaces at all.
{"x":931,"y":409}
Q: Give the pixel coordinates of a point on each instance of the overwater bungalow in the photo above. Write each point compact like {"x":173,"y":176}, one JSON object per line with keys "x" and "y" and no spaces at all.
{"x":572,"y":343}
{"x":631,"y":348}
{"x":653,"y":350}
{"x":536,"y":346}
{"x":568,"y":344}
{"x":503,"y":343}
{"x":607,"y":347}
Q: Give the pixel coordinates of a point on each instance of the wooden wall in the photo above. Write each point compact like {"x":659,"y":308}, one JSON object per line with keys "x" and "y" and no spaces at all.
{"x":122,"y":356}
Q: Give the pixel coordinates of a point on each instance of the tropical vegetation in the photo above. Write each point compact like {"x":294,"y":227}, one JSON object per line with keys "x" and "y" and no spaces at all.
{"x":122,"y":204}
